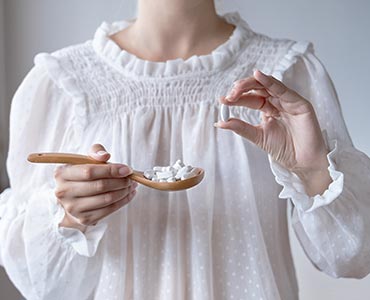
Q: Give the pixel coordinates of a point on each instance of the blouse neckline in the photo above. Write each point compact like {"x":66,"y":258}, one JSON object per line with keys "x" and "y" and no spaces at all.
{"x":130,"y":64}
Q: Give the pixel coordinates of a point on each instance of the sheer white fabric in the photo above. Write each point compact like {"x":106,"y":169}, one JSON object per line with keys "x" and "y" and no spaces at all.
{"x":224,"y":239}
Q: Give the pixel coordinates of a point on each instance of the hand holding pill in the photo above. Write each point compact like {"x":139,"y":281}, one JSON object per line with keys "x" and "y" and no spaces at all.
{"x":289,"y":130}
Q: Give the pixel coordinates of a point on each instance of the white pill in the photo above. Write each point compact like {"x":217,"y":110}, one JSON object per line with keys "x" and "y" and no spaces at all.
{"x":171,"y":179}
{"x":155,"y":179}
{"x":178,"y":164}
{"x":164,"y":175}
{"x":149,"y":174}
{"x":182,"y":171}
{"x":192,"y":173}
{"x":171,"y":169}
{"x":225,"y":113}
{"x":159,"y":168}
{"x":162,"y":180}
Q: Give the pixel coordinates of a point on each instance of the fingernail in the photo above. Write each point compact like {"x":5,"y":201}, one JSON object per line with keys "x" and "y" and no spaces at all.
{"x":102,"y":153}
{"x":134,"y":185}
{"x":125,"y":171}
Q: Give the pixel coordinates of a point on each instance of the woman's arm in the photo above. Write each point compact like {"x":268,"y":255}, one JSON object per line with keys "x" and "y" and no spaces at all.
{"x":43,"y":260}
{"x":307,"y":137}
{"x":333,"y":228}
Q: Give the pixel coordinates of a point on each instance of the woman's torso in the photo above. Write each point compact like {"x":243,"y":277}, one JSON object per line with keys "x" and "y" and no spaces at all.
{"x":224,"y":239}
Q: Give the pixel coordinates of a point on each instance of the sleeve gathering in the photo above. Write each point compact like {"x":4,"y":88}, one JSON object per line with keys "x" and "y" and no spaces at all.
{"x":332,"y":227}
{"x":43,"y":260}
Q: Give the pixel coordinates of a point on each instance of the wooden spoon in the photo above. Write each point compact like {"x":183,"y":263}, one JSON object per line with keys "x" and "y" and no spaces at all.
{"x":138,"y":176}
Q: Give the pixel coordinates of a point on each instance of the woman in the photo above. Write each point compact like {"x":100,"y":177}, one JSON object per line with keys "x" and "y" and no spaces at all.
{"x":147,"y":91}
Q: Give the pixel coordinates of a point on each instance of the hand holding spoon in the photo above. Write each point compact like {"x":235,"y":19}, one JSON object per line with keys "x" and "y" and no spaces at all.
{"x":138,"y":176}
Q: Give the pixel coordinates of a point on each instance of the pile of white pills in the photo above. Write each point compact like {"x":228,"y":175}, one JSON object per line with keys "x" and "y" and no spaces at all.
{"x":178,"y":171}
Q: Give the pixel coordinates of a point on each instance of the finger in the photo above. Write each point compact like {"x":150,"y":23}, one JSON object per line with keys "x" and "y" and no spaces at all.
{"x":242,"y":86}
{"x":250,"y":101}
{"x":75,"y":189}
{"x":92,"y":217}
{"x":99,"y":201}
{"x":98,"y":152}
{"x":261,"y":92}
{"x":90,"y":172}
{"x":276,"y":88}
{"x":254,"y":101}
{"x":248,"y":131}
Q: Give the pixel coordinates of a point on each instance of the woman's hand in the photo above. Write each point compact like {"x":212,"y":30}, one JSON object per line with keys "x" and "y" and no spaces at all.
{"x":88,"y":193}
{"x":289,"y":131}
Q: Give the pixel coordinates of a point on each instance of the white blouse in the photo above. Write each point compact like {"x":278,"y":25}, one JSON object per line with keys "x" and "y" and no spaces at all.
{"x":224,"y":239}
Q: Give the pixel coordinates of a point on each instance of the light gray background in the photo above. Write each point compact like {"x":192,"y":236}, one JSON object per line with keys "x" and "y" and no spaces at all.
{"x":339,"y":29}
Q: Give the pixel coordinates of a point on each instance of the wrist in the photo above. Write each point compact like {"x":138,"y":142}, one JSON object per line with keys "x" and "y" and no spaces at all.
{"x":315,"y":180}
{"x":71,"y":222}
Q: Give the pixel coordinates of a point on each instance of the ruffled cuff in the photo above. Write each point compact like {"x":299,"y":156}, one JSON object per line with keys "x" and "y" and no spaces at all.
{"x":85,"y":244}
{"x":293,"y":187}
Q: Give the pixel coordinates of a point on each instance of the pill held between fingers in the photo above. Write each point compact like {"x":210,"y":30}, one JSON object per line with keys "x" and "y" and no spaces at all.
{"x":225,"y":112}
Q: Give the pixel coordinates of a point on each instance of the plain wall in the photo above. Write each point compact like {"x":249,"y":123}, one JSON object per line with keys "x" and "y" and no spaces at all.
{"x":7,"y":291}
{"x":339,"y":30}
{"x":4,"y":105}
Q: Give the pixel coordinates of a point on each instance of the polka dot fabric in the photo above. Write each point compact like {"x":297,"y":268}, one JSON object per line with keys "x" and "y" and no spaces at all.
{"x":224,"y":239}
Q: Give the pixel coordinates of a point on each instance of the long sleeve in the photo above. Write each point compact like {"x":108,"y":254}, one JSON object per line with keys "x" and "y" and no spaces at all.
{"x":334,"y":227}
{"x":43,"y":260}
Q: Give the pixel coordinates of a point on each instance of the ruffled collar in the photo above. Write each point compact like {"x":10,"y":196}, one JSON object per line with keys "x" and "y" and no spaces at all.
{"x":130,"y":64}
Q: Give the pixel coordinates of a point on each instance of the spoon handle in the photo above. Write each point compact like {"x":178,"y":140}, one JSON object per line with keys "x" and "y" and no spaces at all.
{"x":75,"y":159}
{"x":62,"y":158}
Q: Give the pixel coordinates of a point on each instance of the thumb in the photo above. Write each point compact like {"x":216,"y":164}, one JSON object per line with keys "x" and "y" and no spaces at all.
{"x":98,"y":152}
{"x":248,"y":131}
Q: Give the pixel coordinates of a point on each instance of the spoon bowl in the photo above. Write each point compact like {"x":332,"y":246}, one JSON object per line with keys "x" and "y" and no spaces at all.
{"x":138,"y":176}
